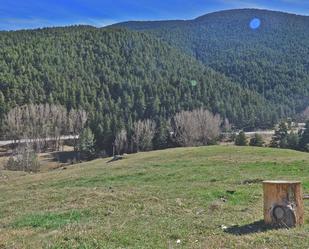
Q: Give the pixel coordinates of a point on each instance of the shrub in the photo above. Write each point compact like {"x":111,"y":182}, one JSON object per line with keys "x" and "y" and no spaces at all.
{"x":241,"y":139}
{"x":293,"y":141}
{"x":25,"y":159}
{"x":256,"y":140}
{"x":232,"y":137}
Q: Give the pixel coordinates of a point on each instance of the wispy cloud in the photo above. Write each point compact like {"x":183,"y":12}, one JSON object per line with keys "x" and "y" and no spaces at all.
{"x":99,"y":22}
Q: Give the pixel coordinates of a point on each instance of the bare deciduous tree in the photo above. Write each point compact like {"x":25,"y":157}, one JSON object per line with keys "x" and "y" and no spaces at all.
{"x":76,"y":123}
{"x":143,"y":133}
{"x":226,"y":125}
{"x":185,"y":131}
{"x":121,"y":141}
{"x":305,"y":114}
{"x":42,"y":123}
{"x":23,"y":159}
{"x":198,"y":127}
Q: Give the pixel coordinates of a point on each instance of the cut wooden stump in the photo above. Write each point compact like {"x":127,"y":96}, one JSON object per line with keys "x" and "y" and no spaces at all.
{"x":283,"y":203}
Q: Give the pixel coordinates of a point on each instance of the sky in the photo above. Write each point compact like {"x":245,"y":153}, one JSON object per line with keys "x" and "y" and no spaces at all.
{"x":28,"y":14}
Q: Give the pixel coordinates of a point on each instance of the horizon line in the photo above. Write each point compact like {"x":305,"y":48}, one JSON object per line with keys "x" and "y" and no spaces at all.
{"x":76,"y":24}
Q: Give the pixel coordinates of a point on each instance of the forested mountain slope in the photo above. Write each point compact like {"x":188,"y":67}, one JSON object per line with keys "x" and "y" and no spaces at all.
{"x":118,"y":76}
{"x":272,"y":59}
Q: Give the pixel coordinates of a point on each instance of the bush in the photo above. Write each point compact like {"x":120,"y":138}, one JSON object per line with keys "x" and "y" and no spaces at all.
{"x":257,"y":140}
{"x":293,"y":141}
{"x":25,"y":159}
{"x":232,"y":137}
{"x":241,"y":139}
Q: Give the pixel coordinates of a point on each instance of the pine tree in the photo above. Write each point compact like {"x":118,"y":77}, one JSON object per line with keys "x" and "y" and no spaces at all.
{"x":293,"y":141}
{"x":162,"y":137}
{"x":2,"y":106}
{"x":279,"y":140}
{"x":304,"y":140}
{"x":86,"y":144}
{"x":241,"y":139}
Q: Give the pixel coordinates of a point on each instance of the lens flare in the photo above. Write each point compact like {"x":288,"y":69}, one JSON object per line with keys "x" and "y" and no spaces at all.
{"x":255,"y":23}
{"x":193,"y":82}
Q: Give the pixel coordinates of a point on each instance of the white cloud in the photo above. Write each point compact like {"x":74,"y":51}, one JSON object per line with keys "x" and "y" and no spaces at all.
{"x":99,"y":22}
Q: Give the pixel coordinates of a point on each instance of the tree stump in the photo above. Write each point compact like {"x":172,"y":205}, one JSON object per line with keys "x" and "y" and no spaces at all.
{"x":283,"y":203}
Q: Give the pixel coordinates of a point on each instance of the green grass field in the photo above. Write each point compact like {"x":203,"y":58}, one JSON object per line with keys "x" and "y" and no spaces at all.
{"x":152,"y":200}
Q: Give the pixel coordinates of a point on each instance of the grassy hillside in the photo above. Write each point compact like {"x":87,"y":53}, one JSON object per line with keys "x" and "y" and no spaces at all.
{"x":151,"y":200}
{"x":270,"y":60}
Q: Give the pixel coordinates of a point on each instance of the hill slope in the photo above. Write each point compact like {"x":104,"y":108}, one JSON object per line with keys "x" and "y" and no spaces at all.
{"x":152,"y":200}
{"x":118,"y":76}
{"x":271,"y":60}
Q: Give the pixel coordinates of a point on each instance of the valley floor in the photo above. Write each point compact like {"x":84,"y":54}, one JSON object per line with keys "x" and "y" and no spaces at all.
{"x":206,"y":197}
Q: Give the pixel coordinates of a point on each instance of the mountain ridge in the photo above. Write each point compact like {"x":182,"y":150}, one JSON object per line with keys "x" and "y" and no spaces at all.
{"x":270,"y":59}
{"x":118,"y":76}
{"x":199,"y":18}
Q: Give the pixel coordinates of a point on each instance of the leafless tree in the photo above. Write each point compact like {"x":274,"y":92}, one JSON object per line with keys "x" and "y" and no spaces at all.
{"x":143,"y":133}
{"x":226,"y":125}
{"x":76,"y":122}
{"x":40,"y":123}
{"x":185,"y":130}
{"x":121,"y":141}
{"x":24,"y":158}
{"x":198,"y":127}
{"x":305,"y":114}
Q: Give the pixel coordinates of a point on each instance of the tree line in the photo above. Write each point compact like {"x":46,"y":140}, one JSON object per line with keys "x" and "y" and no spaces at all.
{"x":43,"y":125}
{"x":284,"y":138}
{"x":187,"y":128}
{"x":39,"y":127}
{"x":40,"y":124}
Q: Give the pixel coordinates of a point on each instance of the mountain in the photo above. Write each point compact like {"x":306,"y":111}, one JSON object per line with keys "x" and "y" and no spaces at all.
{"x":271,"y":60}
{"x":118,"y":76}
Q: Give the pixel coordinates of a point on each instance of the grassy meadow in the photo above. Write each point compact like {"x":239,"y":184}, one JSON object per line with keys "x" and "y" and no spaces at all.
{"x":206,"y":197}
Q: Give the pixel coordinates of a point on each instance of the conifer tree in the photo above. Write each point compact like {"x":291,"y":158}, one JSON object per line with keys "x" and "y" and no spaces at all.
{"x":304,"y":140}
{"x":241,"y":139}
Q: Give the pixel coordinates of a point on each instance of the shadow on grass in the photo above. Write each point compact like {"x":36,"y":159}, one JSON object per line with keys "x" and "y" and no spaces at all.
{"x":255,"y":227}
{"x":62,"y":156}
{"x":115,"y":158}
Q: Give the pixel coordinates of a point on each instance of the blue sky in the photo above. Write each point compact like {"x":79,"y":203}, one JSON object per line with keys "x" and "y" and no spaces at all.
{"x":21,"y":14}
